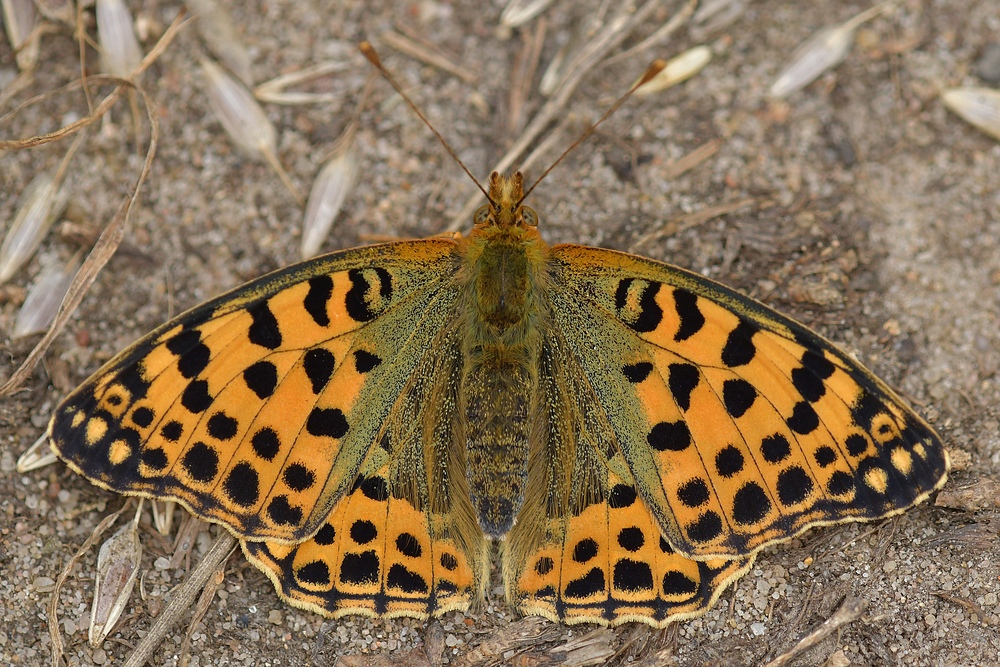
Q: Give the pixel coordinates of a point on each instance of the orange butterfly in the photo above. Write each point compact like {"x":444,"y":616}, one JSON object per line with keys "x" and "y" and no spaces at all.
{"x":373,"y":423}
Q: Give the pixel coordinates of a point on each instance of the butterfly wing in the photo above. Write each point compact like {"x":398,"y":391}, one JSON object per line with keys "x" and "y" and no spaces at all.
{"x":404,"y":541}
{"x":740,"y":427}
{"x":257,"y":409}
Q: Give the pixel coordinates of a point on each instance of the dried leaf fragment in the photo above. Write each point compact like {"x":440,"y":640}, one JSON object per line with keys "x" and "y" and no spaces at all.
{"x":679,"y":68}
{"x":977,"y":106}
{"x":117,"y":566}
{"x":120,"y":48}
{"x":332,"y":185}
{"x":40,"y":203}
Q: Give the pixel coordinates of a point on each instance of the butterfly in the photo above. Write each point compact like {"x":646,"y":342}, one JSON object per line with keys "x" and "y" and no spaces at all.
{"x":379,"y":425}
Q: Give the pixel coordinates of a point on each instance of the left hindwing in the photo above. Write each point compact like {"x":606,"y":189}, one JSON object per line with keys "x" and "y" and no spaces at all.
{"x":257,"y":409}
{"x":740,"y":426}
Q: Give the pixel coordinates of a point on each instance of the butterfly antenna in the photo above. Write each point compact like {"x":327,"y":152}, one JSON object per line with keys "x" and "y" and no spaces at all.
{"x":654,"y":68}
{"x":369,"y":52}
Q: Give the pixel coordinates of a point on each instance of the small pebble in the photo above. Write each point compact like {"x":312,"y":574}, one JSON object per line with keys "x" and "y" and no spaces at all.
{"x":274,"y":617}
{"x":43,"y":584}
{"x":99,"y":657}
{"x":758,"y":629}
{"x":988,"y":65}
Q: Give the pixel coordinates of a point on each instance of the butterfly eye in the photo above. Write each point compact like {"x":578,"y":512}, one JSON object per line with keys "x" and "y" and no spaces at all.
{"x":482,"y":215}
{"x":529,"y":216}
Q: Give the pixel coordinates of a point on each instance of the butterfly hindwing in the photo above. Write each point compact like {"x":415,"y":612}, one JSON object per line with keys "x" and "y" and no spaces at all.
{"x":256,"y":409}
{"x":740,"y":427}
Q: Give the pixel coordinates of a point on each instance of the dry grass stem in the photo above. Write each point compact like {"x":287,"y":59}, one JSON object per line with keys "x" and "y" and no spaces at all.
{"x":181,"y":599}
{"x":848,"y":612}
{"x":426,"y":54}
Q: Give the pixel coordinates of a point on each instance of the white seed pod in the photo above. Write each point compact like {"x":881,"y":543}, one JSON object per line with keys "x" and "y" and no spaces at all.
{"x":40,"y":203}
{"x":44,"y":298}
{"x":222,"y":38}
{"x":241,"y":116}
{"x":977,"y":106}
{"x":37,"y":456}
{"x":244,"y":120}
{"x":117,"y":566}
{"x":20,"y":18}
{"x":821,"y":52}
{"x":120,"y":50}
{"x":519,"y":12}
{"x":332,"y":185}
{"x":679,"y":68}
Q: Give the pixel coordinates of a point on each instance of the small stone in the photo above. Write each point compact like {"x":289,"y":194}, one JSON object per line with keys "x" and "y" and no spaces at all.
{"x":452,"y":640}
{"x":889,"y":566}
{"x":274,"y":617}
{"x":930,"y":620}
{"x":99,"y":657}
{"x":758,"y":629}
{"x":988,"y":64}
{"x":990,"y":599}
{"x":43,"y":584}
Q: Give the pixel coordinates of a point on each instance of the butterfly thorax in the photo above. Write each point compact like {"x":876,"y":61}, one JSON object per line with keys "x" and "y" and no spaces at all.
{"x":504,"y":283}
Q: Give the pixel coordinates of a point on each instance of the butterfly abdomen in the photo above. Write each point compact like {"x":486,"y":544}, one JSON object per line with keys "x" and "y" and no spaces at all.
{"x":505,"y":288}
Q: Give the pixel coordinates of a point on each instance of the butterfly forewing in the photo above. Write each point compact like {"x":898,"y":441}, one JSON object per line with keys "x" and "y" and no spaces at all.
{"x":741,"y":427}
{"x":257,"y":409}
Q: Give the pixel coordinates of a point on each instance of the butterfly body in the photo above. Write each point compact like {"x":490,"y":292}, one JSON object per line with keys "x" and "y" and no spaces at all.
{"x":375,"y":423}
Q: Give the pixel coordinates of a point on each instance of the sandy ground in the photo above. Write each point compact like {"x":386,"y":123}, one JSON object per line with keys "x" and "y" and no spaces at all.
{"x":874,"y":219}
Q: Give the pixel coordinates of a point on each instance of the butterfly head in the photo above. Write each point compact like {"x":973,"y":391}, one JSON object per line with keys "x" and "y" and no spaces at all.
{"x":504,"y":209}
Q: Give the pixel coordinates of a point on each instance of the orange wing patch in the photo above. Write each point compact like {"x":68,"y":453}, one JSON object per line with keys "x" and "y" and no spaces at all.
{"x":609,"y":564}
{"x":375,"y":555}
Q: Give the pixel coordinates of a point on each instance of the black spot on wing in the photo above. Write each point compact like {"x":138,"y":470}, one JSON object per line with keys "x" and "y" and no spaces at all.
{"x":631,"y":575}
{"x":195,"y":397}
{"x":691,"y":317}
{"x":242,"y":485}
{"x":320,"y":291}
{"x":669,"y":436}
{"x":264,"y":329}
{"x":637,"y":372}
{"x":635,"y":301}
{"x":739,"y":348}
{"x":261,"y":378}
{"x":750,"y":504}
{"x":682,"y":380}
{"x":370,"y":293}
{"x":738,"y":396}
{"x":329,"y":422}
{"x":365,"y":361}
{"x":319,"y":364}
{"x":201,"y":462}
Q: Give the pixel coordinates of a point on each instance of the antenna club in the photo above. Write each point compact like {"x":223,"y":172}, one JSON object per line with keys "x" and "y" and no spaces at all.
{"x":370,"y":53}
{"x":654,"y":68}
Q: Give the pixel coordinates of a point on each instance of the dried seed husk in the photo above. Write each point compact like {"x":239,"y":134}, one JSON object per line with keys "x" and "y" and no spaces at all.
{"x":519,"y":12}
{"x":329,"y":191}
{"x":120,"y":50}
{"x":221,"y":37}
{"x":979,"y":107}
{"x":20,"y":18}
{"x":40,"y":203}
{"x":679,"y":68}
{"x":244,"y":120}
{"x":826,"y":49}
{"x":273,"y":91}
{"x":163,"y":515}
{"x":823,"y":51}
{"x":37,"y":456}
{"x":44,"y":298}
{"x":117,"y":566}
